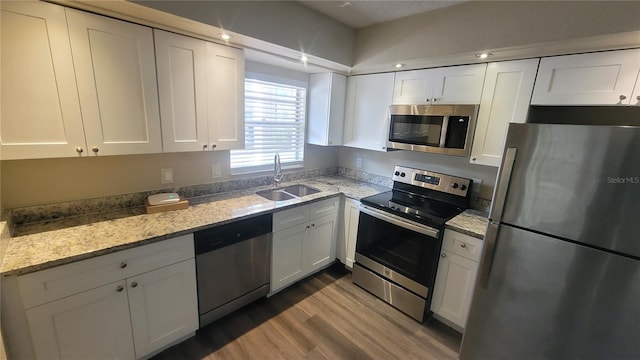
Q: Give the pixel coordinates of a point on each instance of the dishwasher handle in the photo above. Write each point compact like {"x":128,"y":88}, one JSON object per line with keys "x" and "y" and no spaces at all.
{"x":228,"y":234}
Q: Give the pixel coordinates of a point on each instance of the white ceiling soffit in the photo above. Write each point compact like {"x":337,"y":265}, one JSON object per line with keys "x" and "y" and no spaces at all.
{"x":361,"y":13}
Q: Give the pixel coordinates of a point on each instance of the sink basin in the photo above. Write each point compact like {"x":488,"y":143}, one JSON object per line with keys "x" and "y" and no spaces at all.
{"x":287,"y":193}
{"x":275,"y":194}
{"x":300,"y":190}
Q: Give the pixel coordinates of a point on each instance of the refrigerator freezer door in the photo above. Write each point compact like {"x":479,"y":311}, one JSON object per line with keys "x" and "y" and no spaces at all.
{"x":552,"y":299}
{"x":576,"y":182}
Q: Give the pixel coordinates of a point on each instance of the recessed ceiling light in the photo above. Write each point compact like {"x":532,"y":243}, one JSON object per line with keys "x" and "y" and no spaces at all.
{"x":225,"y":36}
{"x":304,"y":58}
{"x":483,"y":55}
{"x":398,"y":65}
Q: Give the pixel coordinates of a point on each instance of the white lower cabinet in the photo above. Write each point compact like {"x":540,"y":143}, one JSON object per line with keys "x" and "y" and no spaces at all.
{"x":150,"y":305}
{"x":303,"y":244}
{"x":455,"y":279}
{"x":346,"y":249}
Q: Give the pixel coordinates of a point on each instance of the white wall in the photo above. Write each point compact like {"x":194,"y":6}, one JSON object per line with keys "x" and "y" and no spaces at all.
{"x":475,"y":26}
{"x":286,"y":23}
{"x":382,"y":163}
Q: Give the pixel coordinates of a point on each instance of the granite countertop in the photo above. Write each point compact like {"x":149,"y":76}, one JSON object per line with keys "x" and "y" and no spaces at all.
{"x":470,"y":222}
{"x":58,"y":243}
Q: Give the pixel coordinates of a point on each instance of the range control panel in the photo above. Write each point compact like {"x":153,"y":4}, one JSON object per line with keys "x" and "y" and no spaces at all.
{"x":432,"y":180}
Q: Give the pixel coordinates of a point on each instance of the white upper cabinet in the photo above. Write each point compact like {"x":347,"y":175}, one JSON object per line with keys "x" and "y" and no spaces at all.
{"x":225,"y":96}
{"x":116,"y":75}
{"x":366,"y":123}
{"x":183,"y":91}
{"x":635,"y":99}
{"x":605,"y":78}
{"x":327,"y":94}
{"x":505,"y":99}
{"x":446,"y":85}
{"x":40,"y":108}
{"x":201,"y":87}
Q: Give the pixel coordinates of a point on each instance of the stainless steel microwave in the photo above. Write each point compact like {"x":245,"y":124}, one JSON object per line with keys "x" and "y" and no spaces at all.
{"x":442,"y":129}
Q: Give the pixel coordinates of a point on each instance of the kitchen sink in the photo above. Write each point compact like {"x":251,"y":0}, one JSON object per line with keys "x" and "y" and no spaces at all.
{"x":300,"y":190}
{"x":275,"y":195}
{"x":287,"y":193}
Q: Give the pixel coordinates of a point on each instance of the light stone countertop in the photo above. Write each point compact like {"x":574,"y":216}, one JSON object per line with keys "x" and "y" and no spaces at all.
{"x":47,"y":249}
{"x":470,"y":222}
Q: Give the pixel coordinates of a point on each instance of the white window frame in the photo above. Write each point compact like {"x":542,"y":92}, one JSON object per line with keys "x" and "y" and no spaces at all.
{"x":288,"y":159}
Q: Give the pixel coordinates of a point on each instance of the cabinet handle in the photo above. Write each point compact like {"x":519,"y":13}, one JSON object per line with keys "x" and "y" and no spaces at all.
{"x":313,"y":225}
{"x":623,"y":97}
{"x":119,"y":288}
{"x":463,"y":245}
{"x":213,"y":146}
{"x":123,"y":265}
{"x":134,"y":284}
{"x":434,"y":99}
{"x":638,"y":97}
{"x":308,"y":226}
{"x":95,"y":150}
{"x":473,"y":159}
{"x":204,"y":146}
{"x":79,"y":150}
{"x":443,"y":255}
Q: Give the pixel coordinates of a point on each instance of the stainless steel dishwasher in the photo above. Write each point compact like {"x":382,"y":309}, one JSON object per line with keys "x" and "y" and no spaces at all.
{"x":233,"y":266}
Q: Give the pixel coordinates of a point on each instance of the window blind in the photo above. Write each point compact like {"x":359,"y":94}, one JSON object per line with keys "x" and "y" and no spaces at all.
{"x":274,"y":122}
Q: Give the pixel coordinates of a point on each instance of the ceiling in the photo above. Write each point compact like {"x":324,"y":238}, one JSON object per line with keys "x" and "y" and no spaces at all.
{"x":360,"y":13}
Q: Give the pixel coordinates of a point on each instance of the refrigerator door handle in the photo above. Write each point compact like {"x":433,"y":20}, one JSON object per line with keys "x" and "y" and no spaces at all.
{"x":490,"y":240}
{"x":499,"y":197}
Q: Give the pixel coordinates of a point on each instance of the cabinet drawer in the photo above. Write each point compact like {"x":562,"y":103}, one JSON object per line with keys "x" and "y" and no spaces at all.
{"x":51,"y":284}
{"x":291,"y":217}
{"x":324,"y":207}
{"x":463,"y":245}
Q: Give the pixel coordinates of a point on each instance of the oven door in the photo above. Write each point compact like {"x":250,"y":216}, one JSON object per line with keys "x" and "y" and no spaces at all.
{"x":401,"y":250}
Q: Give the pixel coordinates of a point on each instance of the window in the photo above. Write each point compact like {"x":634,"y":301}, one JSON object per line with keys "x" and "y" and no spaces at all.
{"x":274,"y":122}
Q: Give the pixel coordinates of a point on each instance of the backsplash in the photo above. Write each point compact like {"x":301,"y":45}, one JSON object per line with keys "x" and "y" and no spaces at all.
{"x":118,"y":206}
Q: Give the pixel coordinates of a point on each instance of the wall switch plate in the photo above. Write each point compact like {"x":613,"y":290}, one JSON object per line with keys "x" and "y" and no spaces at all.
{"x":166,"y":176}
{"x":216,"y":171}
{"x":475,"y":187}
{"x":358,"y":163}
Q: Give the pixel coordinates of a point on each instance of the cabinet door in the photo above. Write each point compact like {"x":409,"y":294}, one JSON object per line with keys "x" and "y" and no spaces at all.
{"x":605,"y":78}
{"x":458,"y":84}
{"x":635,"y":98}
{"x":505,"y":98}
{"x":40,"y":108}
{"x":352,"y":215}
{"x":225,"y":97}
{"x":367,"y":111}
{"x":327,"y":94}
{"x":182,"y":88}
{"x":91,"y":325}
{"x":287,"y":264}
{"x":320,"y":244}
{"x":116,"y":74}
{"x":413,"y":87}
{"x":164,"y":306}
{"x":453,"y":289}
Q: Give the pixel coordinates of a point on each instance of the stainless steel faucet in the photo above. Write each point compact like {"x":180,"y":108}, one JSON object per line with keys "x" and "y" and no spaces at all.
{"x":277,"y":170}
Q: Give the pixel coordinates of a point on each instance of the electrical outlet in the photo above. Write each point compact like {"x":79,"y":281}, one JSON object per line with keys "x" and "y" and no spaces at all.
{"x":216,"y":171}
{"x":358,"y":163}
{"x":477,"y":184}
{"x":166,"y":176}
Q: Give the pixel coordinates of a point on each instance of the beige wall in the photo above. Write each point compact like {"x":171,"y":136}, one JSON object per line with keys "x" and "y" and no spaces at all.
{"x":382,"y":163}
{"x":43,"y":181}
{"x":485,"y":25}
{"x":286,"y":23}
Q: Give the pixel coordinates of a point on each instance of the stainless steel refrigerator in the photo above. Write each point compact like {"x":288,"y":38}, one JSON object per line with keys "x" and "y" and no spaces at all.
{"x":560,"y":272}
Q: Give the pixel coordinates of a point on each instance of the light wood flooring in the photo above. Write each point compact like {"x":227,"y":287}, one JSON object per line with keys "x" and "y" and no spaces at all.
{"x":322,"y":317}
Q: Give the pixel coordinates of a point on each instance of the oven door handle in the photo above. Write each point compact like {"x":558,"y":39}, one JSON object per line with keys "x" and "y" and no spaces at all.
{"x":403,"y":223}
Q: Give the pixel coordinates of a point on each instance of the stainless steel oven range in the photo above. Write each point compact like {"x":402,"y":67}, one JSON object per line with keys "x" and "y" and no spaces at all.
{"x":400,"y":236}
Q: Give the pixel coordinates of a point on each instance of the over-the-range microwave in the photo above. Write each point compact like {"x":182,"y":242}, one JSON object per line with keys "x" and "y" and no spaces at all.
{"x":442,"y":129}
